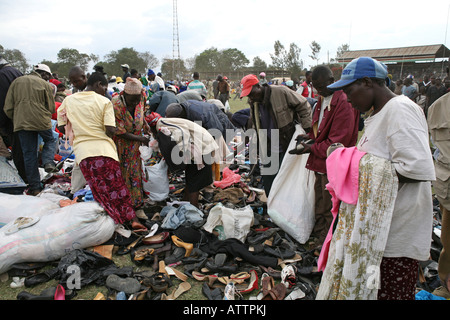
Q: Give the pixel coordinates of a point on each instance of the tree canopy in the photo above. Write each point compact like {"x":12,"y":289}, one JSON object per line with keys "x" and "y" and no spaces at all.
{"x":220,"y":61}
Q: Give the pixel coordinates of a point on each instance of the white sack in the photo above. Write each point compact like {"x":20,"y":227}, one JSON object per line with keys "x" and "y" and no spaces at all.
{"x":77,"y":226}
{"x":290,"y":204}
{"x":14,"y":206}
{"x":156,"y":181}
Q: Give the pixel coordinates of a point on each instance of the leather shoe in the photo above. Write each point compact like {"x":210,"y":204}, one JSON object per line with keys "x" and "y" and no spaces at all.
{"x":180,"y":243}
{"x":260,"y":237}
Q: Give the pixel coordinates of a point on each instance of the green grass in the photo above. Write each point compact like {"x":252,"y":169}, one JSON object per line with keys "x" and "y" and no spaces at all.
{"x":238,"y":104}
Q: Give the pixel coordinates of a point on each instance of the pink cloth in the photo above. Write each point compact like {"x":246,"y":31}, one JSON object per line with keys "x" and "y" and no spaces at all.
{"x":343,"y":176}
{"x":229,"y":178}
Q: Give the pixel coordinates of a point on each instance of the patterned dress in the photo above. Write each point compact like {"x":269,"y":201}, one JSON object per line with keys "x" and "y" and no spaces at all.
{"x":128,"y":150}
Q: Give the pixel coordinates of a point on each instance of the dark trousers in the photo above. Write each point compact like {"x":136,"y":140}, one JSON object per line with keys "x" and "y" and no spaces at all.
{"x":322,"y":208}
{"x":29,"y":144}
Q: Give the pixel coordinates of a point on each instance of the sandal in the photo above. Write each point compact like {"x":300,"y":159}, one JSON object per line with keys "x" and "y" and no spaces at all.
{"x":159,"y":282}
{"x":182,"y":288}
{"x":210,"y":278}
{"x":253,"y":284}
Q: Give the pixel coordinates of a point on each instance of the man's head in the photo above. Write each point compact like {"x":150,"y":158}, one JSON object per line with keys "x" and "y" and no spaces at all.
{"x":363,"y":81}
{"x":433,"y":79}
{"x":151,"y":75}
{"x":251,"y":88}
{"x":196,"y":75}
{"x":77,"y":78}
{"x":134,"y":73}
{"x":97,"y":82}
{"x":308,"y":76}
{"x":175,"y":110}
{"x":44,"y":71}
{"x":125,"y":67}
{"x":321,"y":78}
{"x":132,"y":91}
{"x":262,"y":75}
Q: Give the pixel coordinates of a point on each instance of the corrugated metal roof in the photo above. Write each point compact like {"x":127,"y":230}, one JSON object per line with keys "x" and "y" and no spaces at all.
{"x":429,"y":52}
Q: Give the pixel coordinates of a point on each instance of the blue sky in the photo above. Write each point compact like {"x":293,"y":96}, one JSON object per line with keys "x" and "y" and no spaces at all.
{"x":41,"y":28}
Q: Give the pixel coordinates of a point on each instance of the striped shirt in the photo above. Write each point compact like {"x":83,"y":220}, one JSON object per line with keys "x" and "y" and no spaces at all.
{"x":197,"y":85}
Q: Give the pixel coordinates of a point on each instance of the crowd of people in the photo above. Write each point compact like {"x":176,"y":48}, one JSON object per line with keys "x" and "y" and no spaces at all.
{"x":366,"y":139}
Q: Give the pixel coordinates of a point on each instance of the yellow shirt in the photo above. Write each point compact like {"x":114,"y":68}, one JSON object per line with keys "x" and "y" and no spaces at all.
{"x":89,"y":113}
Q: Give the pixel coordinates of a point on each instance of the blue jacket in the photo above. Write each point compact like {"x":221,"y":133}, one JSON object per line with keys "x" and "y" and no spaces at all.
{"x":210,"y":116}
{"x":159,"y":101}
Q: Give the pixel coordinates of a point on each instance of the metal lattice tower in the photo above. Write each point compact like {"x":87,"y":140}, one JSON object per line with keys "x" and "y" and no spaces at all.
{"x":176,"y":43}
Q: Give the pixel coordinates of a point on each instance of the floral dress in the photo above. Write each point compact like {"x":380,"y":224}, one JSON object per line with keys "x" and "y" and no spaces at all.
{"x":128,"y":151}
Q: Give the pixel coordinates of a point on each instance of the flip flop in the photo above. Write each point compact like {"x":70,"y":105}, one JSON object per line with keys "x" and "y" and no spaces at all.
{"x":182,"y":288}
{"x":20,"y":223}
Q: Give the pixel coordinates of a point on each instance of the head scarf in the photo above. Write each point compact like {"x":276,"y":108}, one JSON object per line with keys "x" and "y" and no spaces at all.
{"x":152,"y":118}
{"x":132,"y":86}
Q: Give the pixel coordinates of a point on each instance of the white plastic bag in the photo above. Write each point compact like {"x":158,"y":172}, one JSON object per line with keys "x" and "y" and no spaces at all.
{"x":156,"y":181}
{"x":236,"y":222}
{"x":78,"y":226}
{"x":290,"y":204}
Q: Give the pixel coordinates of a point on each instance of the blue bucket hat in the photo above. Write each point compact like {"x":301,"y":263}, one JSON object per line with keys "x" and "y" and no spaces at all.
{"x":358,"y":69}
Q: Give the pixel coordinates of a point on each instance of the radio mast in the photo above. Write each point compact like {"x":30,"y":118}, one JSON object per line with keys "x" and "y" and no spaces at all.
{"x":176,"y":44}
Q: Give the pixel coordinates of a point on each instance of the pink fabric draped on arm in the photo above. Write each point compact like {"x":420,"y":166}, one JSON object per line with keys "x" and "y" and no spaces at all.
{"x":343,"y":175}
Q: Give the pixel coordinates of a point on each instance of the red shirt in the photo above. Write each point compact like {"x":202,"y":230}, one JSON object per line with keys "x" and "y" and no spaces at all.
{"x":339,"y":124}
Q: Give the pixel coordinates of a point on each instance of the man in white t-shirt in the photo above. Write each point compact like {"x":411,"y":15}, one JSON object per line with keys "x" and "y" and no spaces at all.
{"x":396,"y":129}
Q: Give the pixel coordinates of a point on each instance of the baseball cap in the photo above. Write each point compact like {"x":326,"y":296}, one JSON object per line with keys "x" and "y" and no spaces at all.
{"x":172,"y":88}
{"x":125,"y":66}
{"x":42,"y":67}
{"x":247,"y":84}
{"x":359,"y":68}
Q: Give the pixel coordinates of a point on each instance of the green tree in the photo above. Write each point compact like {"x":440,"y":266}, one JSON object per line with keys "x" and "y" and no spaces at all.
{"x":341,"y":50}
{"x":16,"y":58}
{"x":287,"y":60}
{"x":259,"y":64}
{"x":221,"y":61}
{"x":208,"y":60}
{"x":279,"y":56}
{"x":232,"y":60}
{"x":139,"y":61}
{"x":315,"y":50}
{"x":174,"y":69}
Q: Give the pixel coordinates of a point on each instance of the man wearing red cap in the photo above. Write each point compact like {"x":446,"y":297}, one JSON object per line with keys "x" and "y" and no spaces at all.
{"x":278,"y":108}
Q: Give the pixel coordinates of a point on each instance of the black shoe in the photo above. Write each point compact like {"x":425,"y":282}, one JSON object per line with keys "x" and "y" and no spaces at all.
{"x":49,"y":167}
{"x":279,"y":252}
{"x":215,"y":294}
{"x":260,"y":237}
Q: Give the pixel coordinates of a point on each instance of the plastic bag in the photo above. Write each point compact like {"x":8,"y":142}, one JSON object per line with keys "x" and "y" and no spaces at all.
{"x":236,"y":222}
{"x":77,"y":226}
{"x":156,"y":181}
{"x":290,"y":204}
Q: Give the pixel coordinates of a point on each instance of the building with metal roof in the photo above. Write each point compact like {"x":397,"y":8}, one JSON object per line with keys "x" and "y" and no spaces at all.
{"x":398,"y":55}
{"x":416,"y":60}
